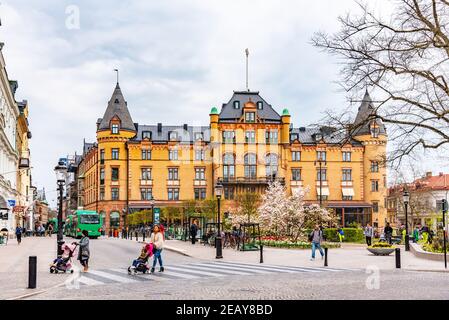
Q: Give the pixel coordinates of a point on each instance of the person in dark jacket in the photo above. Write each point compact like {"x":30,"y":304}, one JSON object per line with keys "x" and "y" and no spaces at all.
{"x":19,"y":235}
{"x":193,"y":231}
{"x":84,"y":252}
{"x":388,"y":230}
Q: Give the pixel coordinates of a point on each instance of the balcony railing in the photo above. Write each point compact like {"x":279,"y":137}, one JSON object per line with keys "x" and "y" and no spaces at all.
{"x":244,"y":180}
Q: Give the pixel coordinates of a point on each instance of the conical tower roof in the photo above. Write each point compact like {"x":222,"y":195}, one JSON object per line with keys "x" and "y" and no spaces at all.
{"x":117,"y":107}
{"x":362,"y":121}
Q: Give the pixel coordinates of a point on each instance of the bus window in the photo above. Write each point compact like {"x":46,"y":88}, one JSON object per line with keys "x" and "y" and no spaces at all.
{"x":89,"y":219}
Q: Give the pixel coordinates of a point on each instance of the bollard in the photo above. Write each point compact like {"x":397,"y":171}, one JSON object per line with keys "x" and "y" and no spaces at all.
{"x":131,"y":235}
{"x":137,"y":236}
{"x":143,"y":235}
{"x":325,"y":256}
{"x":32,"y":272}
{"x":261,"y":253}
{"x":398,"y":258}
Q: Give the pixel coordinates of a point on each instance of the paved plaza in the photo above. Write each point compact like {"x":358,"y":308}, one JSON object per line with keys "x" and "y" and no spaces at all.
{"x":193,"y":272}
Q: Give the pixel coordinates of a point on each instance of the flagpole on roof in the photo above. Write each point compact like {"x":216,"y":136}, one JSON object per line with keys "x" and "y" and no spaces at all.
{"x":116,"y":70}
{"x":247,"y":62}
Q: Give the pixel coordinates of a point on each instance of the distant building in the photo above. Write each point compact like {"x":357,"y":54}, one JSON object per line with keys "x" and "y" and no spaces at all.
{"x":425,"y":193}
{"x":41,"y":209}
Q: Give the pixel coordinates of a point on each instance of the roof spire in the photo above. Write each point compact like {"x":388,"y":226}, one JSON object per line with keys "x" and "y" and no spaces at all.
{"x":247,"y":62}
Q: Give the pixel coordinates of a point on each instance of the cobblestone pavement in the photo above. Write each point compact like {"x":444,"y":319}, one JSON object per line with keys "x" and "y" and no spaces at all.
{"x":298,"y":286}
{"x":106,"y":253}
{"x":195,"y":278}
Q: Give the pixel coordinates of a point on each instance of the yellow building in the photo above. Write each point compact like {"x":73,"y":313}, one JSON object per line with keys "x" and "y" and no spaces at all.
{"x":24,"y":204}
{"x":247,"y":145}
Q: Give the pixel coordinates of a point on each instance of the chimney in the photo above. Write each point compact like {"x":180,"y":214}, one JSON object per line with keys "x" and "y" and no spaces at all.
{"x":441,"y":174}
{"x":429,"y":174}
{"x":159,"y":128}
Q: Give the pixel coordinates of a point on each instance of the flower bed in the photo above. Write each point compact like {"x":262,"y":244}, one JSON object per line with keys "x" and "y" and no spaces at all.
{"x":286,"y":244}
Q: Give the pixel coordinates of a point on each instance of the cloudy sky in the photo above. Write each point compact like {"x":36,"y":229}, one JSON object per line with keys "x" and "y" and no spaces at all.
{"x":177,"y":59}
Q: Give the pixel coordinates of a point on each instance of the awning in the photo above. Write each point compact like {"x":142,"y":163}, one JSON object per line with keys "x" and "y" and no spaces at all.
{"x":324,"y":190}
{"x":348,"y":204}
{"x":348,"y":192}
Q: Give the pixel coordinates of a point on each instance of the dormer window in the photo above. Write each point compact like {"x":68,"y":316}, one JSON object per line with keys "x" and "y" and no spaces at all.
{"x":116,"y":101}
{"x":146,"y":135}
{"x":236,"y":104}
{"x":259,"y":105}
{"x":294,"y":137}
{"x":115,"y":128}
{"x":198,"y":136}
{"x":375,"y":129}
{"x":318,"y":137}
{"x":173,"y":136}
{"x":250,"y":117}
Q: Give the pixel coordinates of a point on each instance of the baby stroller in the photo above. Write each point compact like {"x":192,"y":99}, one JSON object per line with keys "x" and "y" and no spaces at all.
{"x":64,"y":263}
{"x":141,"y":263}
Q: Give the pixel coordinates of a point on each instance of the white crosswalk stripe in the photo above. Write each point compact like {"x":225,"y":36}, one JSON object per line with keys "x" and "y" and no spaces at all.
{"x":195,"y":271}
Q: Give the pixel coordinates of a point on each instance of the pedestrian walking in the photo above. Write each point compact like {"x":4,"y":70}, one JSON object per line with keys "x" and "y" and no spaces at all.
{"x":341,"y":234}
{"x":316,"y":237}
{"x":388,"y":231}
{"x":416,"y":235}
{"x":193,"y":231}
{"x":19,"y":234}
{"x":425,"y":233}
{"x":157,"y":240}
{"x":50,"y":229}
{"x":369,"y":233}
{"x":84,"y":251}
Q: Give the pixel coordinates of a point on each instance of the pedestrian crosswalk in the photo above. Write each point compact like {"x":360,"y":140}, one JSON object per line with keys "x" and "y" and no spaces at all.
{"x":192,"y":271}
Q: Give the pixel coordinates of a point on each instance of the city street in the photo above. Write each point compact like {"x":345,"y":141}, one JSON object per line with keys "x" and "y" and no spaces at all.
{"x":194,"y":278}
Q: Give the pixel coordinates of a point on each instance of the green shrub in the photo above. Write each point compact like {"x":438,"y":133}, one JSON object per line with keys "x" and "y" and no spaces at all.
{"x":351,"y":235}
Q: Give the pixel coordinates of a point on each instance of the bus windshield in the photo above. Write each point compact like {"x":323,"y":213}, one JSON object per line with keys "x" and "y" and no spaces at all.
{"x":89,"y":219}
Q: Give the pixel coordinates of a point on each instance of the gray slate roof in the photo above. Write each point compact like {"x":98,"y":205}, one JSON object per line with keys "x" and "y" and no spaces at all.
{"x":366,"y":110}
{"x":229,"y":113}
{"x":163,"y":136}
{"x":330,"y":136}
{"x":117,"y":106}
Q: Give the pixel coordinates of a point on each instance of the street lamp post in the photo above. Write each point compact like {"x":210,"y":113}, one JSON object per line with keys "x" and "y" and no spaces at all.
{"x":445,"y":208}
{"x":406,"y":198}
{"x":152,"y":208}
{"x":218,"y":244}
{"x":60,"y":171}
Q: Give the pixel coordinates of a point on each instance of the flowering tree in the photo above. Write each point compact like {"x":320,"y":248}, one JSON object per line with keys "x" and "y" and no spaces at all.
{"x":289,"y":216}
{"x":272,"y":211}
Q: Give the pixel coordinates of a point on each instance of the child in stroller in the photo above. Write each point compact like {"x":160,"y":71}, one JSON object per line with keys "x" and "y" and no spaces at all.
{"x":64,"y":263}
{"x":140,"y":264}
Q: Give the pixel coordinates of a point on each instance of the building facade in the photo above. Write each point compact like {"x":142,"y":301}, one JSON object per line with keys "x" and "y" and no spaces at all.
{"x":24,"y":206}
{"x":9,"y":157}
{"x":423,"y":208}
{"x":246,"y":145}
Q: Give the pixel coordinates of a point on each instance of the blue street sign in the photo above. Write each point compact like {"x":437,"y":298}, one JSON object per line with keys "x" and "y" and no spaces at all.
{"x":157,"y":215}
{"x":12,"y":203}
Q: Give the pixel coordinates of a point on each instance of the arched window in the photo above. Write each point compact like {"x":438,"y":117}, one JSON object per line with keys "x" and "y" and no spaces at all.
{"x":115,"y":219}
{"x":250,"y":166}
{"x":228,"y":166}
{"x":271,"y":165}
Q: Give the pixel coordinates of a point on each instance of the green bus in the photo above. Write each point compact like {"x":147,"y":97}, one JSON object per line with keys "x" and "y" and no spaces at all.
{"x":83,"y":220}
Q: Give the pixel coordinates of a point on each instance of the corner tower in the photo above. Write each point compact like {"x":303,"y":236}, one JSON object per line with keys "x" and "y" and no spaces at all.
{"x":114,"y":131}
{"x":371,"y":132}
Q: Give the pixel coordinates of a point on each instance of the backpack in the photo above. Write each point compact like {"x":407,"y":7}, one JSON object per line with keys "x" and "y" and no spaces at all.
{"x":311,"y":236}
